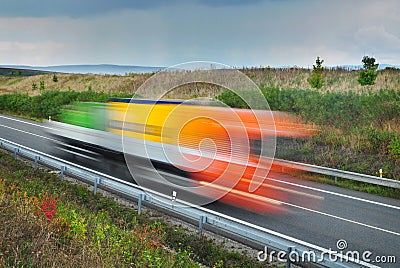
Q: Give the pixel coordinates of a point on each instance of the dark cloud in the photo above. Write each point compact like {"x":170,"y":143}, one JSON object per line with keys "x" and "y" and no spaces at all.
{"x":84,"y":8}
{"x":162,"y":33}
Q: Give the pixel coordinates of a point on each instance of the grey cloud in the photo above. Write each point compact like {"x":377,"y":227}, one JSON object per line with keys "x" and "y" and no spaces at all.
{"x":378,"y":38}
{"x":219,"y":3}
{"x":73,"y":8}
{"x":163,"y":33}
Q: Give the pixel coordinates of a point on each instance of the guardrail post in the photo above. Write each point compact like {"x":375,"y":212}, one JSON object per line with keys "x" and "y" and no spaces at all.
{"x":202,"y":220}
{"x":140,"y":199}
{"x":96,"y":182}
{"x":63,"y":169}
{"x":37,"y":158}
{"x":335,"y":179}
{"x":288,"y":261}
{"x":16,"y":150}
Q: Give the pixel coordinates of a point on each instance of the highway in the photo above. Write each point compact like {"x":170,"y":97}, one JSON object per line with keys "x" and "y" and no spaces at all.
{"x":367,"y":222}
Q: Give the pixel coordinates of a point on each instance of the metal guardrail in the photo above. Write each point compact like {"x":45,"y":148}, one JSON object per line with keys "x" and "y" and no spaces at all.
{"x":239,"y":228}
{"x":339,"y":173}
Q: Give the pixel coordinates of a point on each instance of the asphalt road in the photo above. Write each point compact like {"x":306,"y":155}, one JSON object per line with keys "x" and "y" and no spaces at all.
{"x":367,"y":222}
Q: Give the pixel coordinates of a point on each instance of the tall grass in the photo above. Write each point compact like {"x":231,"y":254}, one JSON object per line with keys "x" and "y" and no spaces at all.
{"x":76,"y":82}
{"x":337,"y":79}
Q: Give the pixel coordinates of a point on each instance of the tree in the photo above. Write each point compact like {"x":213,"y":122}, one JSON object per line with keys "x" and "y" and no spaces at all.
{"x":41,"y":85}
{"x":55,"y":78}
{"x":368,"y":74}
{"x":34,"y":86}
{"x":317,"y":79}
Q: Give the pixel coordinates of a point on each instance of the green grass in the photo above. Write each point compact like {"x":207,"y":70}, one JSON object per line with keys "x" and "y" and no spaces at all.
{"x":49,"y":103}
{"x":359,"y":131}
{"x":46,"y":222}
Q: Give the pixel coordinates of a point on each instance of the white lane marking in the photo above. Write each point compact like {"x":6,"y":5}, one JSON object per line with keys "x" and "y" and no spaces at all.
{"x":308,"y":209}
{"x":325,"y":214}
{"x":82,"y":155}
{"x":40,"y":136}
{"x":343,"y":219}
{"x":25,"y":122}
{"x":338,"y":194}
{"x":269,"y":200}
{"x":81,"y":149}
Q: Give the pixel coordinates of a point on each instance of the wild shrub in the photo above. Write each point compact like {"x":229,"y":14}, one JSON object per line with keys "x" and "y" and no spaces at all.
{"x":49,"y":103}
{"x":317,"y":79}
{"x":368,"y":74}
{"x":242,"y":99}
{"x":41,"y":85}
{"x":394,"y":147}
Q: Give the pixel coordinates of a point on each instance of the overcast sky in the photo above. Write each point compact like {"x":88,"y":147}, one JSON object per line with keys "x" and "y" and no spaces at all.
{"x":165,"y":33}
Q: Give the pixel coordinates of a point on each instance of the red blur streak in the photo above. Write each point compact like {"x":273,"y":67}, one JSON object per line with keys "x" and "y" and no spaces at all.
{"x":235,"y":183}
{"x":269,"y":197}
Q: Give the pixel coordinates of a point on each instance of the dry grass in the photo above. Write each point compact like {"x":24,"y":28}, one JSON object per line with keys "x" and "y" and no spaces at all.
{"x":338,"y":80}
{"x":77,"y":82}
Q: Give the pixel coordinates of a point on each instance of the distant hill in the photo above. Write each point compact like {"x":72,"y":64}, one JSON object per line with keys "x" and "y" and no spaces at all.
{"x":347,"y":67}
{"x":358,"y":67}
{"x":89,"y":68}
{"x":19,"y":72}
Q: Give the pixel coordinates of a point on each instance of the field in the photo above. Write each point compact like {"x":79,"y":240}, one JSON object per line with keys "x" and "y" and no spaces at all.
{"x":68,"y":82}
{"x":337,"y":80}
{"x":360,"y":125}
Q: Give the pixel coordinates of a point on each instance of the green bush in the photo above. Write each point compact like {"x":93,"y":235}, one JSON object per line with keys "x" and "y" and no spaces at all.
{"x":368,"y":73}
{"x":317,"y":79}
{"x":394,"y":147}
{"x":49,"y":103}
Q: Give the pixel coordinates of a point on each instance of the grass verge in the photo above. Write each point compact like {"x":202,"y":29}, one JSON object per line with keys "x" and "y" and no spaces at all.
{"x":46,"y":222}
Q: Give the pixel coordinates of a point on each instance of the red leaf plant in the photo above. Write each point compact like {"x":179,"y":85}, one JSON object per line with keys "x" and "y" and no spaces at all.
{"x":47,"y":206}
